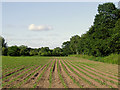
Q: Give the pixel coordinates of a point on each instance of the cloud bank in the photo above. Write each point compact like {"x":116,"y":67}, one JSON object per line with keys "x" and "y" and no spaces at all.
{"x":40,"y":27}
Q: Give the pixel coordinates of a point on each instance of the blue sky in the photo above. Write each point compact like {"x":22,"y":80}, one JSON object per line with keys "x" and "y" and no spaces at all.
{"x":40,"y":24}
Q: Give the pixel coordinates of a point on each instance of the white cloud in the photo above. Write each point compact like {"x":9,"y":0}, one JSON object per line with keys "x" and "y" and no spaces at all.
{"x":40,"y":27}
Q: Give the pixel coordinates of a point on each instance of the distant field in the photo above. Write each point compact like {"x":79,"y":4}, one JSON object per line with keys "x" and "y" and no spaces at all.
{"x":57,"y":72}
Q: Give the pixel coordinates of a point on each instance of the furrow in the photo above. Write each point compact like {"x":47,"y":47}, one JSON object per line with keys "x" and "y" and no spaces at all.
{"x":75,"y":79}
{"x":69,"y":82}
{"x":98,"y":71}
{"x":87,"y":76}
{"x":60,"y":76}
{"x":13,"y":72}
{"x":15,"y":76}
{"x":44,"y":80}
{"x":22,"y":77}
{"x":34,"y":76}
{"x":56,"y":82}
{"x":96,"y":76}
{"x":11,"y":82}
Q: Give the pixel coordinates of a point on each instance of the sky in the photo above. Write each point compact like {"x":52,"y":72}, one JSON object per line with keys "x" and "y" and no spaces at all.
{"x":45,"y":24}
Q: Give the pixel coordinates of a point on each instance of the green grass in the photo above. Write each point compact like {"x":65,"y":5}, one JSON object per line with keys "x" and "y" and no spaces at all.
{"x":113,"y":58}
{"x":16,"y":62}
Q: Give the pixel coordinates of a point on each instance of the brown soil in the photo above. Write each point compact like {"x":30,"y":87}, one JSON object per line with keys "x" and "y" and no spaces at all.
{"x":77,"y":78}
{"x":33,"y":79}
{"x":97,"y":77}
{"x":14,"y":83}
{"x":16,"y":75}
{"x":44,"y":81}
{"x":67,"y":79}
{"x":6,"y":71}
{"x":13,"y":72}
{"x":91,"y":80}
{"x":56,"y":82}
{"x":101,"y":72}
{"x":110,"y":69}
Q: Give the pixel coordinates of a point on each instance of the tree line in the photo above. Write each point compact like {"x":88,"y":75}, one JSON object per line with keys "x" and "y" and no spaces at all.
{"x":26,"y":51}
{"x":102,"y":38}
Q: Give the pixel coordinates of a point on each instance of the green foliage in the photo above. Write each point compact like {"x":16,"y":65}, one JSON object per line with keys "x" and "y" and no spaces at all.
{"x":33,"y":52}
{"x":45,"y":51}
{"x":66,"y":48}
{"x":4,"y":51}
{"x":57,"y":51}
{"x":2,"y":42}
{"x":24,"y":50}
{"x":74,"y":44}
{"x":13,"y":51}
{"x":103,"y":38}
{"x":3,"y":46}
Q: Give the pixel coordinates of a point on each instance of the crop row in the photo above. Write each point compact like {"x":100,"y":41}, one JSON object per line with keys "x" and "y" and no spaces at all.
{"x":70,"y":74}
{"x":88,"y":75}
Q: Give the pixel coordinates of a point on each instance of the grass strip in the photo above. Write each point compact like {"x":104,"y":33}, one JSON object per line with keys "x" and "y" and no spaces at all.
{"x":70,"y":76}
{"x":60,"y":76}
{"x":97,"y":80}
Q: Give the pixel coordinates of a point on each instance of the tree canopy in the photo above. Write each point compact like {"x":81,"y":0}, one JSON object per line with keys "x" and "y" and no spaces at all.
{"x":102,"y":38}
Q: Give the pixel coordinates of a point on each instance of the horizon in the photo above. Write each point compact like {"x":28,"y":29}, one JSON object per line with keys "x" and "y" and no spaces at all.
{"x":46,"y":24}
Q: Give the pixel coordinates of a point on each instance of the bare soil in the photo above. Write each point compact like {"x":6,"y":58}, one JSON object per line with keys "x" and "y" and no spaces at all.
{"x":67,"y":79}
{"x":99,"y":74}
{"x":44,"y":81}
{"x":56,"y":82}
{"x":96,"y":76}
{"x":33,"y":79}
{"x":91,"y":80}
